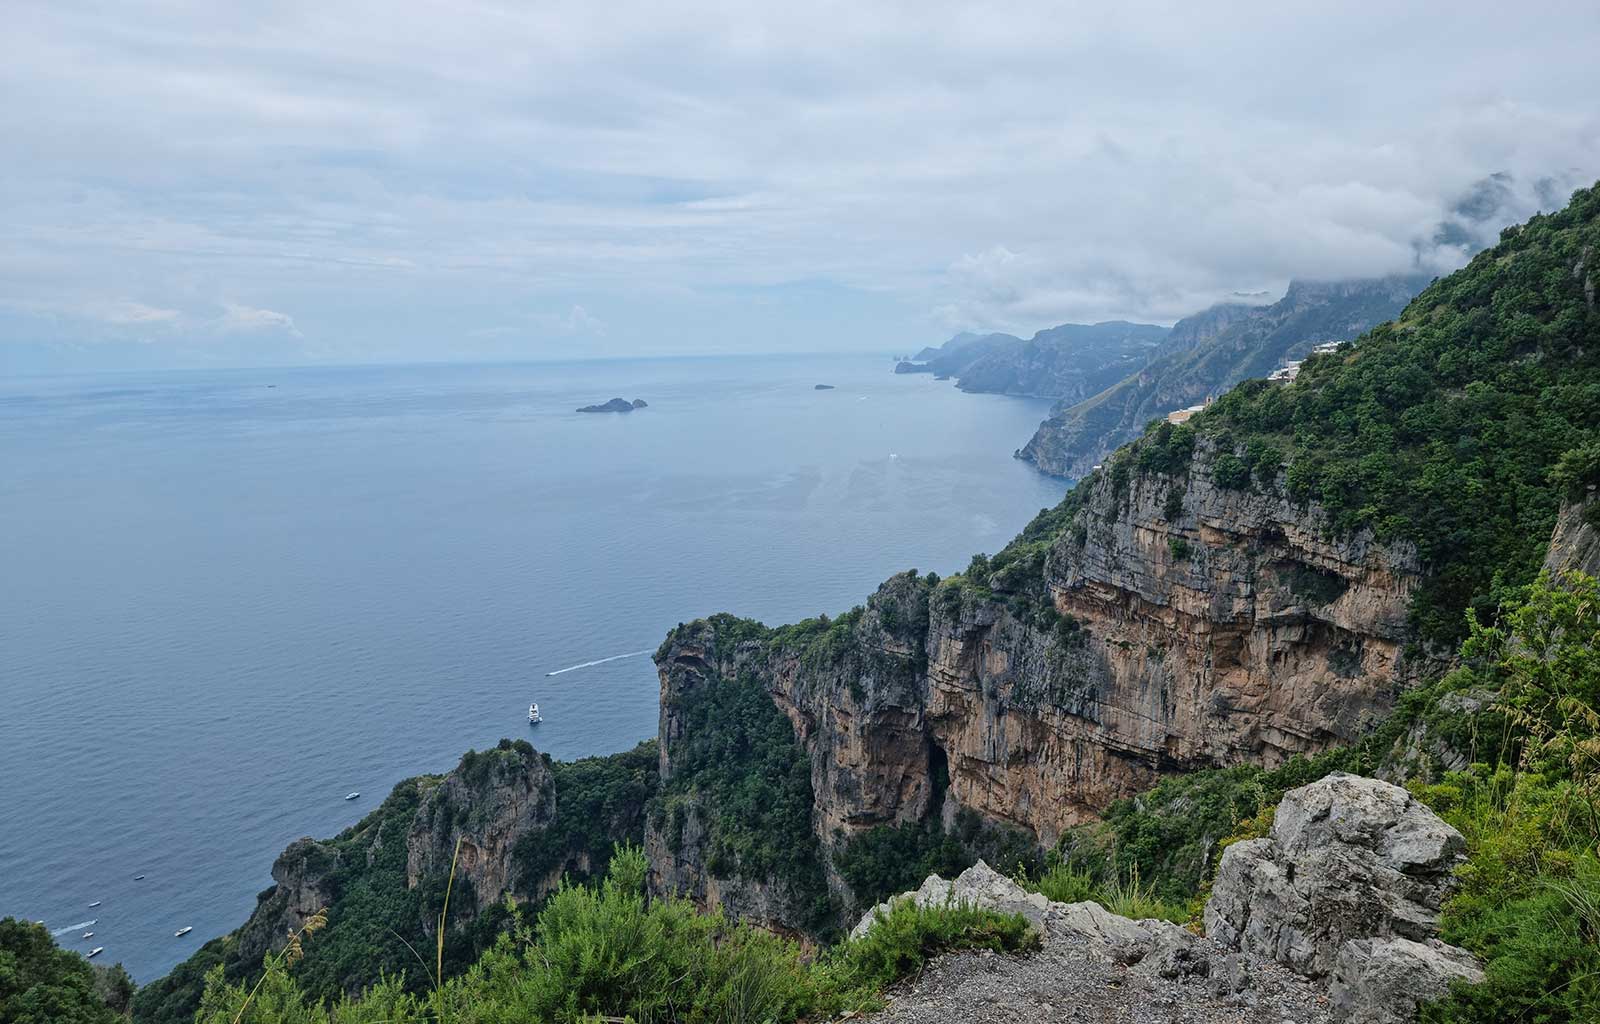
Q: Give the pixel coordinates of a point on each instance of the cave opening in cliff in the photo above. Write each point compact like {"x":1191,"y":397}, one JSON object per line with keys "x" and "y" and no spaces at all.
{"x":938,"y":779}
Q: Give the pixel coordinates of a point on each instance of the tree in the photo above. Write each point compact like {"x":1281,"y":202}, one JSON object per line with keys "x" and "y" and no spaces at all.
{"x":41,"y":983}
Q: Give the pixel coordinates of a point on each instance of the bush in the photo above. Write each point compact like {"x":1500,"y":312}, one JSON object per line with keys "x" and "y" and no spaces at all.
{"x":41,"y":983}
{"x":905,"y":939}
{"x":608,"y":952}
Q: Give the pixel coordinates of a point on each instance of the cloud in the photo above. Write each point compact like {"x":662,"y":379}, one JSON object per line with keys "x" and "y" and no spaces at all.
{"x":137,"y":314}
{"x":579,"y":321}
{"x":237,"y":319}
{"x":403,"y":169}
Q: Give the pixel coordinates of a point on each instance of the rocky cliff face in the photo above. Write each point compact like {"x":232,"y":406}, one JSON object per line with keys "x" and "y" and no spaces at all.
{"x":303,"y":883}
{"x":486,"y":805}
{"x":1207,"y":353}
{"x":1576,"y":542}
{"x":1164,"y":623}
{"x":382,"y":881}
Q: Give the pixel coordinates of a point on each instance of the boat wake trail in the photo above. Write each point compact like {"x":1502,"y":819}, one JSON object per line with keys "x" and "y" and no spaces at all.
{"x":599,"y":661}
{"x":72,"y":928}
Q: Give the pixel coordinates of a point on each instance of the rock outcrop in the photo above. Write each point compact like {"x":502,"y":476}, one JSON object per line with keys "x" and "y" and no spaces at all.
{"x":303,"y":884}
{"x":1170,"y":624}
{"x":475,"y":815}
{"x":1345,"y":895}
{"x":1348,"y":885}
{"x":1576,"y":542}
{"x":1124,"y":940}
{"x":616,"y":405}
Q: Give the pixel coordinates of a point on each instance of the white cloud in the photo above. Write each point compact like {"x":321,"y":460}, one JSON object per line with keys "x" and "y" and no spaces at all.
{"x":400,"y":169}
{"x":580,"y":321}
{"x":240,"y":319}
{"x":137,"y":314}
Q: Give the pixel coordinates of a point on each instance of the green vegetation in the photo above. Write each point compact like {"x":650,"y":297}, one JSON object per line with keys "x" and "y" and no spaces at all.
{"x":1178,"y":548}
{"x":888,"y":860}
{"x":609,"y":953}
{"x":41,"y":983}
{"x":1529,"y":901}
{"x":598,"y":801}
{"x":736,"y":763}
{"x":375,"y":923}
{"x":1455,"y":428}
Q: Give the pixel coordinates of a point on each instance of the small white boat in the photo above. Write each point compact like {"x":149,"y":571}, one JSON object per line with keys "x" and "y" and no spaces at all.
{"x":534,"y":718}
{"x":138,"y":878}
{"x":88,"y":935}
{"x":96,"y":903}
{"x":96,"y":951}
{"x":181,"y":932}
{"x":352,"y":796}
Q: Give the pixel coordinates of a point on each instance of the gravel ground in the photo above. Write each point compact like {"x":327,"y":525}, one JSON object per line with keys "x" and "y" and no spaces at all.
{"x":1069,"y":982}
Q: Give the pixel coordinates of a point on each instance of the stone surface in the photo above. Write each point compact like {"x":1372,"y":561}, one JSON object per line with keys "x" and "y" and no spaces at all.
{"x":1092,"y":966}
{"x":1382,"y":981}
{"x":491,"y":800}
{"x":1087,"y":924}
{"x":1066,"y":983}
{"x":1576,"y":541}
{"x":302,"y":885}
{"x":1348,"y":858}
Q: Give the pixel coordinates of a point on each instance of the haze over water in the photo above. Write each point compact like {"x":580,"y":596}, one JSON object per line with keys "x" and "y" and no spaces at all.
{"x":231,"y":598}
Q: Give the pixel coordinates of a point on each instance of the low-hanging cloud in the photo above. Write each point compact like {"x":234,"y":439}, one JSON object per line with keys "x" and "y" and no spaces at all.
{"x":407,"y":177}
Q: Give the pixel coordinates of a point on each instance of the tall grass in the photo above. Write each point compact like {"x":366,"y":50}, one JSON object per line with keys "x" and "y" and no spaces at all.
{"x":1064,"y":882}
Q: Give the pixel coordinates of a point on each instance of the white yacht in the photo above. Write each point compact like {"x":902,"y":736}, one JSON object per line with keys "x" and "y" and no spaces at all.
{"x":96,"y":951}
{"x":88,"y":935}
{"x":534,"y":718}
{"x":352,"y":796}
{"x":181,"y":932}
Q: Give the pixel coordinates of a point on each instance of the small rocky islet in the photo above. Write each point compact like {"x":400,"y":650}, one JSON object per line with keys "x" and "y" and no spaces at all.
{"x":616,"y":405}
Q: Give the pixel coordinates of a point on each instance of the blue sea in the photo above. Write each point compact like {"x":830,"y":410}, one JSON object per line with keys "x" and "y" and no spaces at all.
{"x":231,"y":598}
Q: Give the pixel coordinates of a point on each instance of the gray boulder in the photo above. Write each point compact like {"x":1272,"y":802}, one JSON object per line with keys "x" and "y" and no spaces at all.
{"x":1121,"y":938}
{"x":1347,"y":885}
{"x":1381,"y":981}
{"x":1348,"y":858}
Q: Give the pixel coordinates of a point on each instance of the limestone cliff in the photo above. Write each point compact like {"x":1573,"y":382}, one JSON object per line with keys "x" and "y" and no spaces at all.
{"x":523,"y":821}
{"x":1576,"y":542}
{"x":486,"y":805}
{"x":1154,"y":623}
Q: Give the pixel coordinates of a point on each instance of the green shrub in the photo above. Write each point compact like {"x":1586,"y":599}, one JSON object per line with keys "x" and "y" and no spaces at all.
{"x":1178,"y":548}
{"x":905,"y":939}
{"x":41,"y":983}
{"x":608,"y":952}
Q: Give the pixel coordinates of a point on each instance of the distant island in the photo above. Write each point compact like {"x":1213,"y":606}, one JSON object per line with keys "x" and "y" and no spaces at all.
{"x":616,"y":405}
{"x":823,"y":387}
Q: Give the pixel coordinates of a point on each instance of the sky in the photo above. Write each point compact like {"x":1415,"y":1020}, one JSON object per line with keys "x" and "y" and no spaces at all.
{"x":205,"y":184}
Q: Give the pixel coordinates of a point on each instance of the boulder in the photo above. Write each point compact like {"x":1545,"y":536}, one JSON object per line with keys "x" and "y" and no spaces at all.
{"x":1347,"y":888}
{"x":1120,"y":938}
{"x":1381,"y":981}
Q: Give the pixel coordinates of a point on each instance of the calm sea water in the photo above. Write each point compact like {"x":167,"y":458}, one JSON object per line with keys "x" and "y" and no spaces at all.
{"x":229,"y":599}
